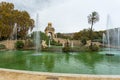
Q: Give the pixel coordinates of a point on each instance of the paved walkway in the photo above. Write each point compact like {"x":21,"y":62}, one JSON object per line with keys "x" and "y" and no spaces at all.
{"x":7,"y":74}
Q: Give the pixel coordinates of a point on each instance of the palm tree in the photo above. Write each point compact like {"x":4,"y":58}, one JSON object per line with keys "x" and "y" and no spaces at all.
{"x":92,"y":18}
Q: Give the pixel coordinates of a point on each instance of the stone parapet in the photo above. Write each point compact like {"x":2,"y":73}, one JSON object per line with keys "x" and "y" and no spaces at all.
{"x":8,"y":74}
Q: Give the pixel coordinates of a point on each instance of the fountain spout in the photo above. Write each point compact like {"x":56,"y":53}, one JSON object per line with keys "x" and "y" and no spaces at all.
{"x":37,"y":36}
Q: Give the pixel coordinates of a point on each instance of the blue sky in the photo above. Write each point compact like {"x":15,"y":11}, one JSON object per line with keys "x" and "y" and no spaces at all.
{"x":70,"y":15}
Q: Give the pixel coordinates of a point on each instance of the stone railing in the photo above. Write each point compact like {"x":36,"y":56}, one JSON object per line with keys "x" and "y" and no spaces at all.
{"x":7,"y":74}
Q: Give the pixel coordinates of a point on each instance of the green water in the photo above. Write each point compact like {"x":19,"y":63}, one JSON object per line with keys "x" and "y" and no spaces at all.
{"x":78,"y":63}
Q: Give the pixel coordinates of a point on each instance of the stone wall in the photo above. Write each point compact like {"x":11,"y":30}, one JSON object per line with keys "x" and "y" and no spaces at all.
{"x":7,"y":74}
{"x":9,"y":44}
{"x":75,"y":42}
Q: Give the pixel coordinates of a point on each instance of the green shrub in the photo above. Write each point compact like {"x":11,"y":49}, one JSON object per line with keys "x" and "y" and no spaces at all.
{"x":66,"y":49}
{"x":19,"y":45}
{"x":94,"y":48}
{"x":53,"y":42}
{"x":29,"y":43}
{"x":84,"y":42}
{"x":2,"y":46}
{"x":86,"y":48}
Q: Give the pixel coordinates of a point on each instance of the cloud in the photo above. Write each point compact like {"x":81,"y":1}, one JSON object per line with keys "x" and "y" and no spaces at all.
{"x":70,"y":15}
{"x":33,"y":6}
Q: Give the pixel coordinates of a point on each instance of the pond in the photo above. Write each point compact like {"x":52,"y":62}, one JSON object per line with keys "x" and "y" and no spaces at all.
{"x":57,"y":62}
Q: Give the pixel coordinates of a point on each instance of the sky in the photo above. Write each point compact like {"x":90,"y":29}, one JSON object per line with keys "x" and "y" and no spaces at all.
{"x":69,"y":16}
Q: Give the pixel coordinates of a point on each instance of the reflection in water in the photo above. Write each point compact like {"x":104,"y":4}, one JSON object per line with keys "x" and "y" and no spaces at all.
{"x":89,"y":60}
{"x":81,"y":63}
{"x":67,"y":58}
{"x":45,"y":62}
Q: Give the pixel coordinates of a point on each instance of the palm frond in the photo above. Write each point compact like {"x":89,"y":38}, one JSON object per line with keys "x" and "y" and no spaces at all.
{"x":93,"y":18}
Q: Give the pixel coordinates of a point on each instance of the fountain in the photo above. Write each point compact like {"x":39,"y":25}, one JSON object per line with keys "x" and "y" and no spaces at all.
{"x":104,"y":40}
{"x":63,"y":44}
{"x":113,"y":37}
{"x":29,"y":32}
{"x":49,"y":43}
{"x":72,"y":44}
{"x":108,"y":35}
{"x":37,"y":35}
{"x":12,"y":38}
{"x":118,"y":38}
{"x":50,"y":38}
{"x":14,"y":33}
{"x":84,"y":62}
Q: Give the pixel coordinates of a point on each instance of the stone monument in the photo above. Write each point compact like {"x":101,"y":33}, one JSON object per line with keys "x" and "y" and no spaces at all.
{"x":50,"y":31}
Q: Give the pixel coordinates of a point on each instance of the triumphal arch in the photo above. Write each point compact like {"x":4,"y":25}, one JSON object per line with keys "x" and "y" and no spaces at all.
{"x":50,"y":31}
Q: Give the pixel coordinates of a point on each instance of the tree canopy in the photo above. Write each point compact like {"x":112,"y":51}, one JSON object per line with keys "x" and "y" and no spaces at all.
{"x":84,"y":34}
{"x":92,"y":18}
{"x":9,"y":16}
